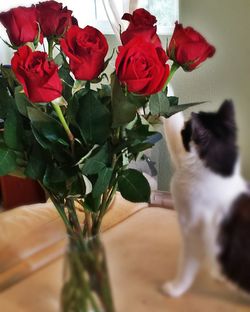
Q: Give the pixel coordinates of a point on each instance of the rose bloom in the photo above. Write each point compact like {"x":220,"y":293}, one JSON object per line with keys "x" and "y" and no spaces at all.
{"x":53,"y":19}
{"x":38,"y":75}
{"x":86,"y":49}
{"x":141,"y":66}
{"x":188,"y":48}
{"x":21,"y":25}
{"x":141,"y":23}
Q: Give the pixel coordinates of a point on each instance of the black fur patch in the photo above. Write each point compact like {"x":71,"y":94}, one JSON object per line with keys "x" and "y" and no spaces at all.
{"x":215,"y":137}
{"x":186,"y":134}
{"x":234,"y":239}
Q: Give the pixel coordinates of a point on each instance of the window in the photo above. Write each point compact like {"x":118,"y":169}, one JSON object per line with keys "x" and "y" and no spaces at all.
{"x":166,"y":11}
{"x":94,"y":12}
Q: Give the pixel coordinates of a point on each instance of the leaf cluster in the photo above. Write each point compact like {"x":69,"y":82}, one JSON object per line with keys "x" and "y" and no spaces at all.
{"x":110,"y":127}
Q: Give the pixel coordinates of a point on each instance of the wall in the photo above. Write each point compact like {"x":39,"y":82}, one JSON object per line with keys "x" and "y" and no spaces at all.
{"x":226,"y":24}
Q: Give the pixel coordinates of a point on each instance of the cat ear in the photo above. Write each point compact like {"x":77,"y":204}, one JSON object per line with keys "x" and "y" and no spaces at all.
{"x":226,"y":111}
{"x":199,"y":133}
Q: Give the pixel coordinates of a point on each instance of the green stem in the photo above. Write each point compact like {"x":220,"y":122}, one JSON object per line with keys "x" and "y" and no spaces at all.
{"x":106,"y":200}
{"x":61,"y":211}
{"x":116,"y":135}
{"x":59,"y":113}
{"x":97,"y":225}
{"x":73,"y":214}
{"x":78,"y":273}
{"x":174,"y":68}
{"x":111,"y":195}
{"x":87,"y":224}
{"x":50,"y":48}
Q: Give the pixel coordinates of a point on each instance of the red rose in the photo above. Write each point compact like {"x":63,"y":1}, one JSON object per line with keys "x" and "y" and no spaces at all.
{"x":54,"y":20}
{"x":188,"y":48}
{"x":142,"y":67}
{"x":141,"y":23}
{"x":38,"y":76}
{"x":86,"y":49}
{"x":21,"y":25}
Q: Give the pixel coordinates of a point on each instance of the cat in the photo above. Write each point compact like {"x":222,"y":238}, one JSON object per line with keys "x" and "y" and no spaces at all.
{"x":211,"y":197}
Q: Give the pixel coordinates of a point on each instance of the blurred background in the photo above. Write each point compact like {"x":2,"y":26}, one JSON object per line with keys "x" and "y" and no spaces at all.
{"x":224,"y":23}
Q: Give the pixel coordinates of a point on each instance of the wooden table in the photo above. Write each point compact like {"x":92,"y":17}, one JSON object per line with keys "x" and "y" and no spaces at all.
{"x":142,"y":253}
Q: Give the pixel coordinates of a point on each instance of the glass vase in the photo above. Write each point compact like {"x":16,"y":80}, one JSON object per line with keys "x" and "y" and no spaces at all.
{"x":86,"y":282}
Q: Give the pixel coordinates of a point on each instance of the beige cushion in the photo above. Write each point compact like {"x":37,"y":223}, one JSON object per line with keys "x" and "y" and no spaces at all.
{"x":142,"y":254}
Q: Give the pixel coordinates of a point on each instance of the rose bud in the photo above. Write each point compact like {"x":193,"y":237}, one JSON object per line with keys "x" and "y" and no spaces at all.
{"x":21,"y":25}
{"x":54,"y":20}
{"x":141,"y":66}
{"x":86,"y":49}
{"x":188,"y":48}
{"x":37,"y":75}
{"x":141,"y":23}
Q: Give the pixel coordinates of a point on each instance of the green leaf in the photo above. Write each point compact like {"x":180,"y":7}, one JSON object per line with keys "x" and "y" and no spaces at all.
{"x":96,"y":162}
{"x":102,"y":182}
{"x":104,"y":91}
{"x":37,"y":163}
{"x":8,"y":44}
{"x":79,"y":186}
{"x":139,"y":147}
{"x":22,"y":101}
{"x":108,"y":60}
{"x":5,"y":98}
{"x":64,"y":74}
{"x":100,"y":78}
{"x":159,"y":103}
{"x":104,"y":94}
{"x":55,"y":179}
{"x":73,"y":107}
{"x":13,"y":129}
{"x":76,"y":189}
{"x":173,"y":100}
{"x":137,"y":100}
{"x":59,"y":59}
{"x":59,"y":151}
{"x":179,"y":108}
{"x":124,"y":110}
{"x":67,"y":82}
{"x":93,"y":119}
{"x":48,"y":128}
{"x":139,"y":131}
{"x":134,"y":186}
{"x":7,"y":161}
{"x":92,"y":203}
{"x":9,"y":75}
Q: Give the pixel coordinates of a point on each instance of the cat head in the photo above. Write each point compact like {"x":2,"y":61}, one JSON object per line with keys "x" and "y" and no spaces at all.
{"x":214,"y":135}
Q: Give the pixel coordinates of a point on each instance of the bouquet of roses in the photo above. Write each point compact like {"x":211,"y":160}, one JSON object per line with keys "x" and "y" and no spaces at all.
{"x":75,"y":130}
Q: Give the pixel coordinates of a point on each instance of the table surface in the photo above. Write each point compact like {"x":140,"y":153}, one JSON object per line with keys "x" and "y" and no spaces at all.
{"x":142,"y":253}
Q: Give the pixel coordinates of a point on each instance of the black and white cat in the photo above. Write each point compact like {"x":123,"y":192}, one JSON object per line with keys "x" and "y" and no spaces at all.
{"x":211,"y":197}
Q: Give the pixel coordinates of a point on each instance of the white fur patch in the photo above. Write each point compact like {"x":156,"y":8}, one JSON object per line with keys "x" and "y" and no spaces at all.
{"x":202,"y":199}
